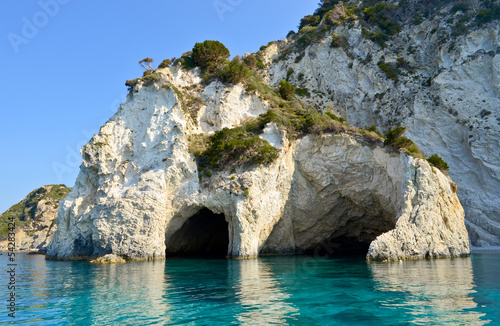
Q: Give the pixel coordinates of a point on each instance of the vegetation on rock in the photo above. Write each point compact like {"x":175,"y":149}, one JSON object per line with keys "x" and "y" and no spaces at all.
{"x":233,"y":71}
{"x":395,"y":138}
{"x":287,"y":91}
{"x":209,"y":54}
{"x":339,"y":40}
{"x":438,"y":162}
{"x":23,"y":213}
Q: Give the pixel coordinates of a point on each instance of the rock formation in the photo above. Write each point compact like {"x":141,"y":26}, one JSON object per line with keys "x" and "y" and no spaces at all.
{"x":438,"y":76}
{"x":140,"y":193}
{"x":34,"y":217}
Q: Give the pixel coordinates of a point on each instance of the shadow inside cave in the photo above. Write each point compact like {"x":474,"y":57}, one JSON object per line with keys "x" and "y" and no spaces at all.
{"x":203,"y":235}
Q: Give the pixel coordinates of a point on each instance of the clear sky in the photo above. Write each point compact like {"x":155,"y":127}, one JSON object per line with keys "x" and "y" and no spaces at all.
{"x":64,"y":64}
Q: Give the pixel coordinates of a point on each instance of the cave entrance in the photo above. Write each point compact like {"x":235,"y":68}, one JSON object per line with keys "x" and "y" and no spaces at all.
{"x":341,"y":246}
{"x":203,"y":235}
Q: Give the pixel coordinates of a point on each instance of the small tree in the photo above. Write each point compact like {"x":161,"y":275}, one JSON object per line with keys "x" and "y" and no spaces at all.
{"x":146,"y":63}
{"x":209,"y":54}
{"x":287,"y":91}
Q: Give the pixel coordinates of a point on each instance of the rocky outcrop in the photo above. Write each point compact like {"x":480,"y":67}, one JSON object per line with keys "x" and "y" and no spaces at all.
{"x":34,"y":218}
{"x":430,"y":223}
{"x":140,"y":195}
{"x":444,"y":89}
{"x":108,"y":259}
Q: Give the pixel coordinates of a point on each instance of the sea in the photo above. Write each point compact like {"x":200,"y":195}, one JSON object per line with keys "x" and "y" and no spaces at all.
{"x":294,"y":290}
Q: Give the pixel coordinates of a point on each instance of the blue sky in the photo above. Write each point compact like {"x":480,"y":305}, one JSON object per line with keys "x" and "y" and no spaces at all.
{"x":64,"y":64}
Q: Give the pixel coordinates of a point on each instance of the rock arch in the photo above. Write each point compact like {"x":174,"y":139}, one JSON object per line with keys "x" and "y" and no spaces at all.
{"x":204,"y":234}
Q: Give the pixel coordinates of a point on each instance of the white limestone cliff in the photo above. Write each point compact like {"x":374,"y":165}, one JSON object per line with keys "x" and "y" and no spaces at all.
{"x":139,"y":194}
{"x":448,"y":97}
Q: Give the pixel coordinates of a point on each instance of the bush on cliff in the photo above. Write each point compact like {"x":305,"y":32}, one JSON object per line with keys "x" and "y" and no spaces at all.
{"x":236,"y":146}
{"x":438,"y":162}
{"x":287,"y":91}
{"x":233,"y":71}
{"x":209,"y":54}
{"x":395,"y":137}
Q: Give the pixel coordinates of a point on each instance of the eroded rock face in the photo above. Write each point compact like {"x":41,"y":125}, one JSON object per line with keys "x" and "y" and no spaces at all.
{"x":139,"y":194}
{"x":447,"y":96}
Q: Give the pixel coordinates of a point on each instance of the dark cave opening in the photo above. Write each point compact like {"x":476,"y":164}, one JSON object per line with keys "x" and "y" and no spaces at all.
{"x":203,"y":235}
{"x":341,"y":246}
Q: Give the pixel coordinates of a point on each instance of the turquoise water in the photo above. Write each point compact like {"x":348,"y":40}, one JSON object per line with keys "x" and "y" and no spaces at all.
{"x":277,"y":290}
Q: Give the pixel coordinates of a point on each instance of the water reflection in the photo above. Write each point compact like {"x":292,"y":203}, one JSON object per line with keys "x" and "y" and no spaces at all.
{"x":436,"y":292}
{"x":277,"y":290}
{"x":135,"y":287}
{"x":260,"y":295}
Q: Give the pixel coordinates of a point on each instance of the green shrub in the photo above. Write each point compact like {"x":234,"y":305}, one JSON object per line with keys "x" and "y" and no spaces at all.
{"x":334,"y":117}
{"x":394,"y":134}
{"x":209,"y":54}
{"x":309,"y":35}
{"x":237,"y":146}
{"x":208,"y":173}
{"x":251,"y":61}
{"x":310,"y":20}
{"x":339,"y":40}
{"x":302,"y":91}
{"x":132,"y":82}
{"x":233,"y":72}
{"x":485,"y":16}
{"x":374,"y":129}
{"x":260,"y":63}
{"x":165,"y":63}
{"x":383,"y":15}
{"x":287,"y":91}
{"x":438,"y":162}
{"x":390,"y":71}
{"x":308,"y":29}
{"x":186,"y":61}
{"x":459,"y":29}
{"x":461,"y":6}
{"x":417,"y":20}
{"x":150,"y":79}
{"x":395,"y":137}
{"x":246,"y":192}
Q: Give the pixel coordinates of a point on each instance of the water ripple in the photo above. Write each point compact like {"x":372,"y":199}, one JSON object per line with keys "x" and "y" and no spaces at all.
{"x":278,"y":290}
